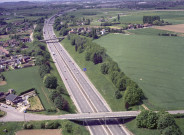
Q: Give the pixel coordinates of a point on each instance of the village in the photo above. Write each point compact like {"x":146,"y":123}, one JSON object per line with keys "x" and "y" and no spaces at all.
{"x":14,"y":38}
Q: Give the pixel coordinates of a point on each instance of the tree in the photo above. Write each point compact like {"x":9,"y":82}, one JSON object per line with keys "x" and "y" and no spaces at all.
{"x":60,"y":89}
{"x":76,"y":48}
{"x":133,"y":95}
{"x":94,"y":35}
{"x":171,"y":130}
{"x":105,"y":68}
{"x":50,"y":81}
{"x":165,"y":120}
{"x":118,"y":94}
{"x":127,"y":105}
{"x":43,"y":70}
{"x":147,"y":119}
{"x":58,"y":102}
{"x":118,"y":17}
{"x":73,"y":42}
{"x":53,"y":95}
{"x":121,"y":84}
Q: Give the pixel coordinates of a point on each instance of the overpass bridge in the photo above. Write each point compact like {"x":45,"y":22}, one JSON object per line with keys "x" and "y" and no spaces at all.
{"x":100,"y":115}
{"x":13,"y":114}
{"x":52,"y":39}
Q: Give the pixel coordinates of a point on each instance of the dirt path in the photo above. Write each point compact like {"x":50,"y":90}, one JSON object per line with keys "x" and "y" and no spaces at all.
{"x":40,"y":132}
{"x":145,"y":107}
{"x":179,"y":28}
{"x":46,"y":95}
{"x":31,"y":35}
{"x":3,"y":83}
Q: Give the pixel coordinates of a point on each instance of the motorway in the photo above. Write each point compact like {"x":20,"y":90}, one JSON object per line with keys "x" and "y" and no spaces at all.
{"x":83,"y":93}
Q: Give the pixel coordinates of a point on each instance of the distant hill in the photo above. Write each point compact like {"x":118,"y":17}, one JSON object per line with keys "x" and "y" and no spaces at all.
{"x":16,"y":4}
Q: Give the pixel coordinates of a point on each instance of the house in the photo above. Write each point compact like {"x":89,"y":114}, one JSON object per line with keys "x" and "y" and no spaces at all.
{"x":12,"y":99}
{"x":25,"y":39}
{"x":3,"y":51}
{"x":102,"y":31}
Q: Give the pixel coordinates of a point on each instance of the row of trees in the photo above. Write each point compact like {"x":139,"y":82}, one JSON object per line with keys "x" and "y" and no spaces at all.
{"x":49,"y":80}
{"x":94,"y":52}
{"x":97,"y":54}
{"x":163,"y":121}
{"x":150,"y":19}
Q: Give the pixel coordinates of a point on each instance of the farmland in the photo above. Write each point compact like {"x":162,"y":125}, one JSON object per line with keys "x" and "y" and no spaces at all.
{"x":175,"y":28}
{"x":154,"y":62}
{"x":129,"y":16}
{"x":40,"y":131}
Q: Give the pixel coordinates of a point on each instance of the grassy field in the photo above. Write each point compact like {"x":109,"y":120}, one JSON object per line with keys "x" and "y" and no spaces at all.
{"x":24,"y":79}
{"x":154,"y":62}
{"x":101,"y":82}
{"x":13,"y":127}
{"x":35,"y":104}
{"x":180,"y":123}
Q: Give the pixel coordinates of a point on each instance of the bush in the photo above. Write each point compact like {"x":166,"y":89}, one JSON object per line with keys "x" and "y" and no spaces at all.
{"x":51,"y":110}
{"x":118,"y":94}
{"x":69,"y":128}
{"x":42,"y":125}
{"x":171,"y":130}
{"x":28,"y":126}
{"x":52,"y":125}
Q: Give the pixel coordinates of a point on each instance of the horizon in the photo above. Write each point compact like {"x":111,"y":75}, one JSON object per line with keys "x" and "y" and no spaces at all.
{"x":2,"y":1}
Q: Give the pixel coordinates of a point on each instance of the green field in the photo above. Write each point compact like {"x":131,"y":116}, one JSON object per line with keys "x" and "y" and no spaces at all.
{"x":155,"y":62}
{"x":23,"y":79}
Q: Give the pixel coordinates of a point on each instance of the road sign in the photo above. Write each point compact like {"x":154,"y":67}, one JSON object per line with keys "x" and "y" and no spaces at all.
{"x":84,"y":69}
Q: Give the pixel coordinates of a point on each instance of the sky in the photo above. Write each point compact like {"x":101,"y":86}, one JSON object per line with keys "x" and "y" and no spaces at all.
{"x":21,"y":0}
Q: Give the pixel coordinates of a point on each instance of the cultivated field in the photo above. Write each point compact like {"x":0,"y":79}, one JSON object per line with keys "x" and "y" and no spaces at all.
{"x":35,"y":104}
{"x":39,"y":132}
{"x":154,"y":62}
{"x":179,"y":28}
{"x":24,"y":79}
